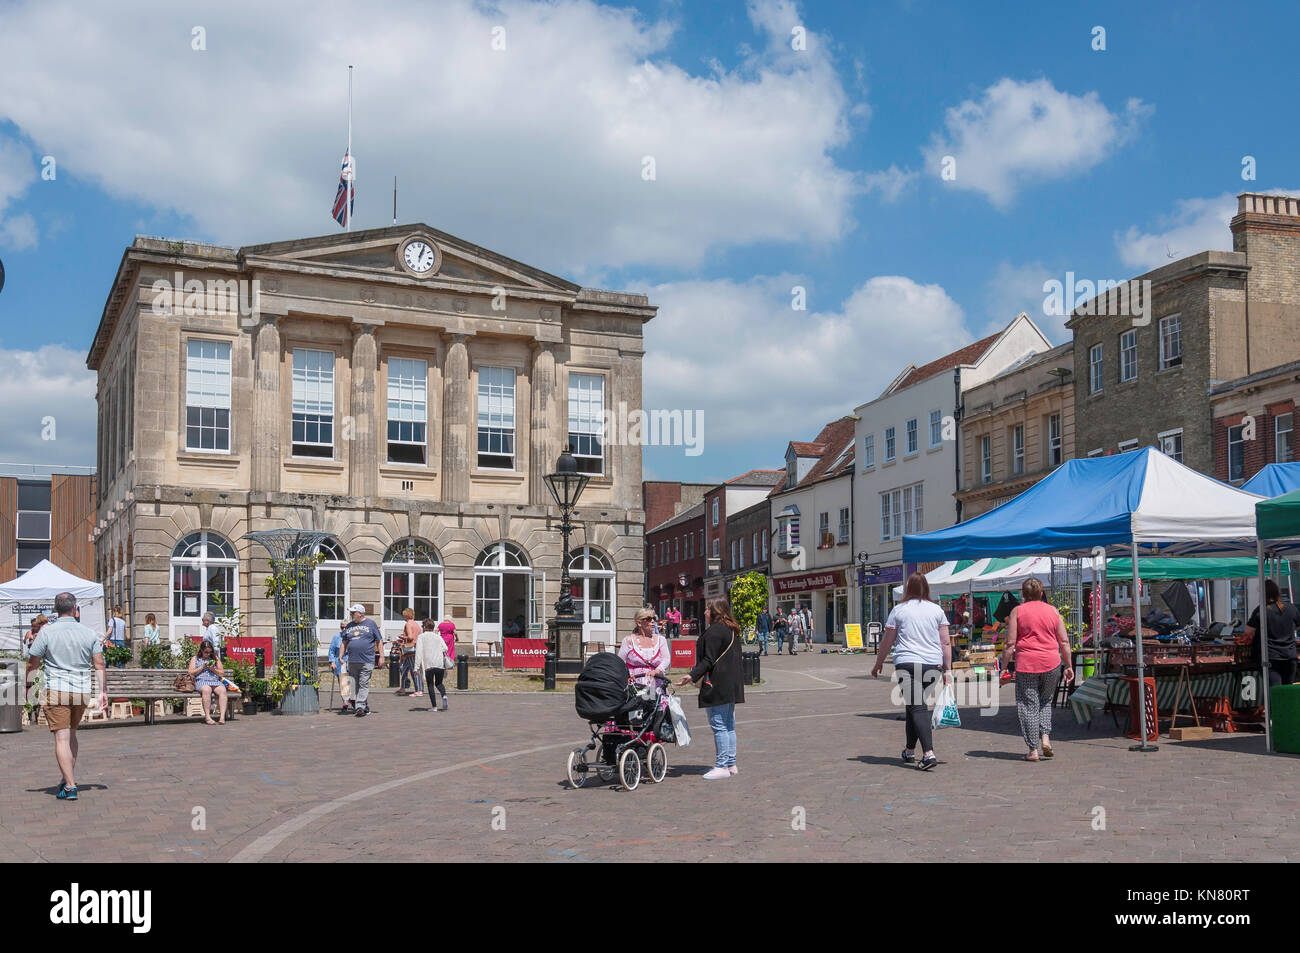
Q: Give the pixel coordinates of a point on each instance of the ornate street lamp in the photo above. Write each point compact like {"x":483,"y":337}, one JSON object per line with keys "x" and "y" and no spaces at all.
{"x":564,"y":636}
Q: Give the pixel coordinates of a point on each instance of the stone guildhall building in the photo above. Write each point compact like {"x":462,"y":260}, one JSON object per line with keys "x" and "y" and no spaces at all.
{"x":399,"y":388}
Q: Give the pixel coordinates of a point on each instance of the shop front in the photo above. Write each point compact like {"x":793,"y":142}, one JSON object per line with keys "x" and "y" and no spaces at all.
{"x":824,"y":593}
{"x":876,"y":586}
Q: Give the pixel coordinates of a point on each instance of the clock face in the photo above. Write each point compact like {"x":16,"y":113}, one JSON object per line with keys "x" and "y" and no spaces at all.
{"x":419,"y":256}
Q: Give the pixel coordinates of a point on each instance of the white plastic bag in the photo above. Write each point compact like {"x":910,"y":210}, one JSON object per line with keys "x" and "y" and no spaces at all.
{"x":679,"y":722}
{"x":945,"y":713}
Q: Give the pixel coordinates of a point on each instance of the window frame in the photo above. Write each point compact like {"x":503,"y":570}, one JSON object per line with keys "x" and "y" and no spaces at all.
{"x":1168,"y":361}
{"x":936,"y":428}
{"x":1241,"y":444}
{"x":573,"y":436}
{"x":512,"y":434}
{"x":1096,"y":368}
{"x":229,"y":427}
{"x":1177,"y":432}
{"x":1290,"y":432}
{"x":390,"y":420}
{"x":320,"y":422}
{"x":1130,"y":351}
{"x":891,"y":444}
{"x":845,"y":517}
{"x":1018,"y":450}
{"x":986,"y":459}
{"x":1055,"y":442}
{"x":912,"y":436}
{"x":869,"y":451}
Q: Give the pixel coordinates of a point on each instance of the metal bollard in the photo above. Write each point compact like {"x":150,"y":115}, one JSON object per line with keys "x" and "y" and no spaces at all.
{"x":260,"y":662}
{"x":548,"y":672}
{"x":395,"y":667}
{"x":747,"y":668}
{"x":462,"y":673}
{"x":758,"y":670}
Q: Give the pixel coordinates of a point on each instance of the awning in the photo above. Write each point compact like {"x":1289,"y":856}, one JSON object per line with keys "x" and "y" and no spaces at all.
{"x":1169,"y":567}
{"x":1274,"y":479}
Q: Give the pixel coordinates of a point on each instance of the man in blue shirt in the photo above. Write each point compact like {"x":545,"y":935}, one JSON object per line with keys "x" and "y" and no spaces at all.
{"x":764,"y":628}
{"x":70,"y":651}
{"x":338,"y":665}
{"x":364,"y":645}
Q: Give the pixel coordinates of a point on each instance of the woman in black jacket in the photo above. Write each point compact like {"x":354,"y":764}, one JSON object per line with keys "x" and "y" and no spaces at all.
{"x":717,"y":667}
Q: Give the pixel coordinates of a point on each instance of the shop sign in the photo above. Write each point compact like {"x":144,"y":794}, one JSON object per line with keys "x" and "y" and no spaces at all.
{"x":683,"y":653}
{"x":809,"y":580}
{"x":880,"y":577}
{"x":523,"y":653}
{"x":244,"y":648}
{"x":713,"y":588}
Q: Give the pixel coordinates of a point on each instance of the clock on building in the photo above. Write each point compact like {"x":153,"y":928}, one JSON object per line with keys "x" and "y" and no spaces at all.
{"x":419,"y":256}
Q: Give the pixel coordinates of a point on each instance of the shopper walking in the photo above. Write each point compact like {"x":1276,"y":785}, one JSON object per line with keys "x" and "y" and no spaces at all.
{"x":794,"y":623}
{"x":410,"y":671}
{"x":70,"y":651}
{"x":764,"y":627}
{"x":364,"y":645}
{"x":150,"y":632}
{"x":1282,"y":621}
{"x":40,"y":622}
{"x":447,"y":629}
{"x":781,"y":627}
{"x":338,"y":660}
{"x":115,"y":637}
{"x":917,"y":631}
{"x":808,"y":628}
{"x":1039,"y":647}
{"x":212,"y":632}
{"x":431,"y":658}
{"x":722,"y":685}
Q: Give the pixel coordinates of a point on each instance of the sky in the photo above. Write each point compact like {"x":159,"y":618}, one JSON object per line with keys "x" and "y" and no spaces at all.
{"x":911,"y":172}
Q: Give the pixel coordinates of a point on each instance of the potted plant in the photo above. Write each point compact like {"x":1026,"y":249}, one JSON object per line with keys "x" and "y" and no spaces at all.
{"x":260,"y":693}
{"x":117,"y":656}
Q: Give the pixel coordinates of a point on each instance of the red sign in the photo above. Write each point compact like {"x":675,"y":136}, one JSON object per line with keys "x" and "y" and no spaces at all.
{"x":683,"y":653}
{"x":244,"y":649}
{"x":523,"y":653}
{"x":809,"y":580}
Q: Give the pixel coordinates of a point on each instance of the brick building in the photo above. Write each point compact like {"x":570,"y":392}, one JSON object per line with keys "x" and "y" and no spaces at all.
{"x":737,"y":494}
{"x":1212,"y":317}
{"x":676,"y":564}
{"x":1016,"y":429}
{"x":399,"y":388}
{"x":1254,"y":422}
{"x":748,"y":541}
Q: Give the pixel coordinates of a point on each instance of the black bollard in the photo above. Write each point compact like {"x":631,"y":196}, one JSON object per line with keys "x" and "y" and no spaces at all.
{"x":462,"y":673}
{"x":260,"y":657}
{"x":758,"y":669}
{"x":747,"y":668}
{"x":548,"y":672}
{"x":395,"y":667}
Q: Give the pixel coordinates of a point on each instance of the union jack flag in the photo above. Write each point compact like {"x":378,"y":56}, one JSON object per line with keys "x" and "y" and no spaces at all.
{"x":342,"y":208}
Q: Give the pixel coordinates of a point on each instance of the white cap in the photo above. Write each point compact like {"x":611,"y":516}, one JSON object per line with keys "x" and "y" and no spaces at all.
{"x":357,"y":607}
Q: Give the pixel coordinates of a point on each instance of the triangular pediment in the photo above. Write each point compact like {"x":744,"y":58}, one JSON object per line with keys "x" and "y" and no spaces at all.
{"x":377,"y":250}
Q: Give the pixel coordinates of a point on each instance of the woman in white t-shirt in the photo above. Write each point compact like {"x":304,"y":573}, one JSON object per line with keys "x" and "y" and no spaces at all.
{"x":917,"y":631}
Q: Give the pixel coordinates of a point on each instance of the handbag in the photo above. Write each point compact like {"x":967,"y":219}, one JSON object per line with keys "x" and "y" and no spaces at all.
{"x":184,"y":682}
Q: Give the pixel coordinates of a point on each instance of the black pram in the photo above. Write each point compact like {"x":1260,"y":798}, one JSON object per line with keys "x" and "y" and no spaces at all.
{"x":629,"y":724}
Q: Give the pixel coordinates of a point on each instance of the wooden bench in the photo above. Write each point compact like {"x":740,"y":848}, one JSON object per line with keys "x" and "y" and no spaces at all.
{"x":152,"y":684}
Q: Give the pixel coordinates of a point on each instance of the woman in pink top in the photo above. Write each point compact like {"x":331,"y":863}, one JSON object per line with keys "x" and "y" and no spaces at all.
{"x":645,"y":653}
{"x":1038,"y":644}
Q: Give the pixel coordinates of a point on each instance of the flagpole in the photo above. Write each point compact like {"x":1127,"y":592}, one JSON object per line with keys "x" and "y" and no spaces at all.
{"x":347,"y":212}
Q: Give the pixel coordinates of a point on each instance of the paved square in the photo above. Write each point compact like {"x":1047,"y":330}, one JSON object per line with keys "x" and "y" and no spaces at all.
{"x":819,"y":743}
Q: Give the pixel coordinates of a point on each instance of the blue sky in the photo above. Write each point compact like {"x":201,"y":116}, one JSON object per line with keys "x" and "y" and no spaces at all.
{"x":775,"y":168}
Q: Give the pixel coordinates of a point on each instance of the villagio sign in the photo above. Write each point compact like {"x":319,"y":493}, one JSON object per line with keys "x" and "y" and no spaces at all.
{"x":809,"y":580}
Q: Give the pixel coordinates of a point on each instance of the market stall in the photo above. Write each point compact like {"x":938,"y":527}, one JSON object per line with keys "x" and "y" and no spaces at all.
{"x":1274,"y":479}
{"x":32,"y":593}
{"x":1278,"y":534}
{"x":1141,"y":503}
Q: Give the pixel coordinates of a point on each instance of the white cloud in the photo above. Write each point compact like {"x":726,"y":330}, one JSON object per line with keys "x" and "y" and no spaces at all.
{"x":17,"y":230}
{"x":821,"y":363}
{"x":1017,"y":288}
{"x":1018,"y":133}
{"x":48,"y":387}
{"x":535,"y":150}
{"x":1195,"y":225}
{"x":891,"y":183}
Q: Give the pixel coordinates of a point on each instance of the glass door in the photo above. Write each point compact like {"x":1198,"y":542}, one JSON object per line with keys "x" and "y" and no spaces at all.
{"x":487,"y":605}
{"x":537,"y":607}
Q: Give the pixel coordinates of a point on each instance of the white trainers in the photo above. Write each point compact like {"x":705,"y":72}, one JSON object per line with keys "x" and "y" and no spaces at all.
{"x":733,"y":771}
{"x":716,"y":773}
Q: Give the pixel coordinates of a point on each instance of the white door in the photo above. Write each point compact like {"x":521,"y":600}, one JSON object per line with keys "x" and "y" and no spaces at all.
{"x":487,"y":606}
{"x":538,"y":606}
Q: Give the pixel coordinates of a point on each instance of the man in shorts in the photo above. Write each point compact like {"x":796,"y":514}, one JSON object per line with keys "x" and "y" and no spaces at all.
{"x":74,"y":676}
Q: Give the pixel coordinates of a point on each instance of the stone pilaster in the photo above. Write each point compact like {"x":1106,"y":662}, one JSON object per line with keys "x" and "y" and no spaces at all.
{"x":626,"y":459}
{"x":363,"y":459}
{"x":545,"y":427}
{"x":267,"y":424}
{"x":455,"y":420}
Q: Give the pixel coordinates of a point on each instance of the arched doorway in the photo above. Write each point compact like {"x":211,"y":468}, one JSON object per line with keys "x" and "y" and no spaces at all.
{"x":205,"y":578}
{"x":592,"y":574}
{"x":412,"y":580}
{"x":506,"y":593}
{"x":332,"y":580}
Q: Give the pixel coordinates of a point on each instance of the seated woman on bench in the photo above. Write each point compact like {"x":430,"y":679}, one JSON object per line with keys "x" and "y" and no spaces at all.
{"x":208,"y":672}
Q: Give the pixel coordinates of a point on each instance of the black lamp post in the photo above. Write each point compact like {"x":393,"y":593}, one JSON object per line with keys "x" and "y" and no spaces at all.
{"x":564,"y":636}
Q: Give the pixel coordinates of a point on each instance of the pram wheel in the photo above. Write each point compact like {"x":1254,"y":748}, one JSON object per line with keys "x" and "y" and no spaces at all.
{"x":629,"y":769}
{"x":578,"y":767}
{"x":657,"y":761}
{"x":605,"y":772}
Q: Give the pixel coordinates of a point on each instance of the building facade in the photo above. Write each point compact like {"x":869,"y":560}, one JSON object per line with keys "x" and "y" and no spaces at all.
{"x":1145,"y":378}
{"x":1016,"y":429}
{"x":401,"y":389}
{"x":908,"y":454}
{"x":676,"y":564}
{"x":1254,"y":422}
{"x":748,"y":542}
{"x":50,"y":517}
{"x":722,"y":549}
{"x":812,"y":530}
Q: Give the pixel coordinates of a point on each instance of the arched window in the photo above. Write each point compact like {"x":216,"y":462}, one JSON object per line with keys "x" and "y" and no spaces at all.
{"x":503,"y":555}
{"x":331,"y":585}
{"x":205,"y":576}
{"x":592,"y":573}
{"x":412,"y":580}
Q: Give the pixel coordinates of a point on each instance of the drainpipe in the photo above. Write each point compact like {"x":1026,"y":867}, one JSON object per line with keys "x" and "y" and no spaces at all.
{"x":957,"y":414}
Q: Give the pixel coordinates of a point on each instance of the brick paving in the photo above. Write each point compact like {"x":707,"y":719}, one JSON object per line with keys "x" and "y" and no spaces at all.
{"x":820,"y":743}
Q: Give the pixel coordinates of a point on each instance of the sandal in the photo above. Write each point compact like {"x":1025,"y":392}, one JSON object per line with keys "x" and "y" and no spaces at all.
{"x":1032,"y":757}
{"x":208,"y":721}
{"x":1047,"y":751}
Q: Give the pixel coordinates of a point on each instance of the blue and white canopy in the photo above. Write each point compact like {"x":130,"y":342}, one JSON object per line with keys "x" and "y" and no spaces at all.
{"x":1141,"y":496}
{"x":1274,"y":480}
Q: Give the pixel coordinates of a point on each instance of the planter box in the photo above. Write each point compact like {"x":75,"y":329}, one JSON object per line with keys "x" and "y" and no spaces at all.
{"x":302,"y":701}
{"x":250,"y":707}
